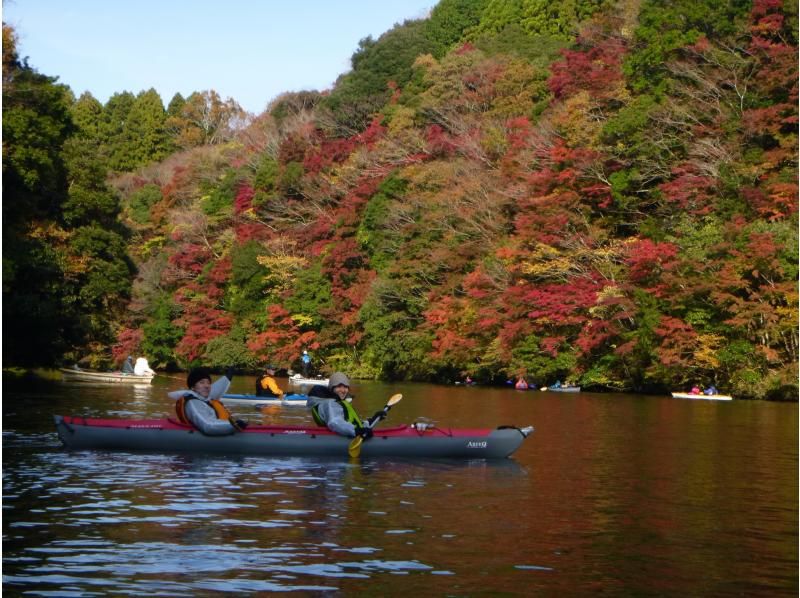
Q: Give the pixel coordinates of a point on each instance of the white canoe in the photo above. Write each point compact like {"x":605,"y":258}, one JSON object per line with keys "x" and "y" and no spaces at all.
{"x":298,"y":380}
{"x":114,"y":377}
{"x":688,"y":395}
{"x":289,"y":400}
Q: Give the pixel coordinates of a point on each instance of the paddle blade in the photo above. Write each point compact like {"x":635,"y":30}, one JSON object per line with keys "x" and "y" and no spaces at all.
{"x":354,"y":450}
{"x":394,"y":400}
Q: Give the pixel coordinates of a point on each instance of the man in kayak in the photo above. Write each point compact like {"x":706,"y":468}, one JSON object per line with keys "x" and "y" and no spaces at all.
{"x":331,"y":407}
{"x":200,"y":405}
{"x":266,"y":385}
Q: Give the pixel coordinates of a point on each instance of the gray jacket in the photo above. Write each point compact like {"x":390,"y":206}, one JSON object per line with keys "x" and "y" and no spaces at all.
{"x":201,"y":414}
{"x":332,"y":413}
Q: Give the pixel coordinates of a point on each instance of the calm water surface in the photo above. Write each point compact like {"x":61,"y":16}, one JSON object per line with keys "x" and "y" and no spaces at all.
{"x":613,"y":494}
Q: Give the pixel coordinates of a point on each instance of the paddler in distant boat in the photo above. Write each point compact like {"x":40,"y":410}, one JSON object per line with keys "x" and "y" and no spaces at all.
{"x":199,"y":406}
{"x":266,"y":386}
{"x":127,"y":367}
{"x":521,"y":384}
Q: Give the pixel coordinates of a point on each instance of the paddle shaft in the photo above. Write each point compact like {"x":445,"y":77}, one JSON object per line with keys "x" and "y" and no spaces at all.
{"x":354,"y":450}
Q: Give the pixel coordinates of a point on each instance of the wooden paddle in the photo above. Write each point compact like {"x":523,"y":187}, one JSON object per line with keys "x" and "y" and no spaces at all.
{"x":354,"y":450}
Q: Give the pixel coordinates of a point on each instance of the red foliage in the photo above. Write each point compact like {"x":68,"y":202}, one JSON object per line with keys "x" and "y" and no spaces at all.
{"x":678,"y":342}
{"x":282,"y":342}
{"x":595,"y":334}
{"x":251,"y":231}
{"x":774,"y":201}
{"x":292,"y":149}
{"x":190,"y":257}
{"x":596,"y":70}
{"x":465,"y":48}
{"x":440,"y":143}
{"x":690,"y":191}
{"x":647,"y":259}
{"x":373,"y":133}
{"x":555,"y":304}
{"x":244,"y":199}
{"x":327,"y":153}
{"x":128,"y":342}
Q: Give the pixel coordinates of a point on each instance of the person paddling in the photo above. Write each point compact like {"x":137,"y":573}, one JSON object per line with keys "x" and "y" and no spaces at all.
{"x":199,"y":406}
{"x":266,"y":386}
{"x":331,"y":407}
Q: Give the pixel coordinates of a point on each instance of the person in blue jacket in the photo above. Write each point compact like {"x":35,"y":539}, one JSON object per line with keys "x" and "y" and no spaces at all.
{"x":306,"y":359}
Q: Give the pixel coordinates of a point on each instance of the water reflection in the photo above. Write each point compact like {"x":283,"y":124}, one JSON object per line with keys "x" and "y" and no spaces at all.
{"x":615,"y":494}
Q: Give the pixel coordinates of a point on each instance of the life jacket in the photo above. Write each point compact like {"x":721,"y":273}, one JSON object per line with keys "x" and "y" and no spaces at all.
{"x":215,"y":404}
{"x":262,"y":387}
{"x":350,"y":414}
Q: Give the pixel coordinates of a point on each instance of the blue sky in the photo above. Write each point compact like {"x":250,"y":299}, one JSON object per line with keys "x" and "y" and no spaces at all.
{"x":248,"y":50}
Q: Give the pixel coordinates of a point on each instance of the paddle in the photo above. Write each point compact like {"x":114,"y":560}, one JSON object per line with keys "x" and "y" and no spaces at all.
{"x":354,"y":450}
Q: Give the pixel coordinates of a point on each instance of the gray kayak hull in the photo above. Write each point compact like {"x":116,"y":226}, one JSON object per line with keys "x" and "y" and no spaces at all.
{"x":403,"y":441}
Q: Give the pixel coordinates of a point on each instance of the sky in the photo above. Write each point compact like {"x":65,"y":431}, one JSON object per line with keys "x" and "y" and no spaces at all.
{"x":247,"y":50}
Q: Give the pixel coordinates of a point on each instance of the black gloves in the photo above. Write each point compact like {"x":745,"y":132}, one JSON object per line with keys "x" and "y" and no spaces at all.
{"x":365,"y":433}
{"x":229,"y":372}
{"x":238,"y":424}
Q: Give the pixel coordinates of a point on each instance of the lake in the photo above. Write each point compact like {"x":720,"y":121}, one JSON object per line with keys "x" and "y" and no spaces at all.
{"x":612,"y":494}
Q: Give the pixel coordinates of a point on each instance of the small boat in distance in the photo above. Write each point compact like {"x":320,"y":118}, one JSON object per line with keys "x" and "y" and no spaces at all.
{"x":288,"y":400}
{"x":75,"y":373}
{"x":691,"y":395}
{"x":298,"y":380}
{"x":561,"y":388}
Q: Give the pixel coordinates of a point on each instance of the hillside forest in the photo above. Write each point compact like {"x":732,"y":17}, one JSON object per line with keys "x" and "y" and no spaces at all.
{"x":603,"y":191}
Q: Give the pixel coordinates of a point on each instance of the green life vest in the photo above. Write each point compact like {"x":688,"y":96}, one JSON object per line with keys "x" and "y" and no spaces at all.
{"x":350,"y":414}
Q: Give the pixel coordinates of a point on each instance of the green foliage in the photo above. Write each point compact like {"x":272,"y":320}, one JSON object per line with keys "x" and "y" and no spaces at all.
{"x":558,"y":18}
{"x":528,"y":359}
{"x":140,"y":202}
{"x":218,"y":201}
{"x":246,"y":292}
{"x":266,"y":174}
{"x":363,"y":91}
{"x":666,"y":25}
{"x":161,"y":336}
{"x":290,"y":182}
{"x":450,"y":19}
{"x":395,"y":346}
{"x":539,"y":50}
{"x":372,"y":234}
{"x":310,"y":297}
{"x":230,"y":350}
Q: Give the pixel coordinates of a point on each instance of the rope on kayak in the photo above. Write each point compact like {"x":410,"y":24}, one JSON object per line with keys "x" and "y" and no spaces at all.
{"x":524,"y":431}
{"x":69,"y":428}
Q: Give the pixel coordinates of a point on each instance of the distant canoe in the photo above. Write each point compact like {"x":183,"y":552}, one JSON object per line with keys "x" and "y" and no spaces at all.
{"x":298,"y":380}
{"x":562,"y":388}
{"x":688,"y":395}
{"x":112,"y":377}
{"x":288,"y":400}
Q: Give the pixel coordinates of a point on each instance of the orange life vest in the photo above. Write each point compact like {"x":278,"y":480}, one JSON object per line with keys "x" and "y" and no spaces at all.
{"x":215,"y":404}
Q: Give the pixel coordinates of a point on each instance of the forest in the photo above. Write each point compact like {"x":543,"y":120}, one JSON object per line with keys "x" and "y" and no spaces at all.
{"x":604,"y":191}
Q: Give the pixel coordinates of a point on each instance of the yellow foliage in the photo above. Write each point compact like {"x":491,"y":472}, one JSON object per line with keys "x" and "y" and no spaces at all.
{"x":575,"y":123}
{"x":705,"y":356}
{"x":281,"y":270}
{"x":402,"y":118}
